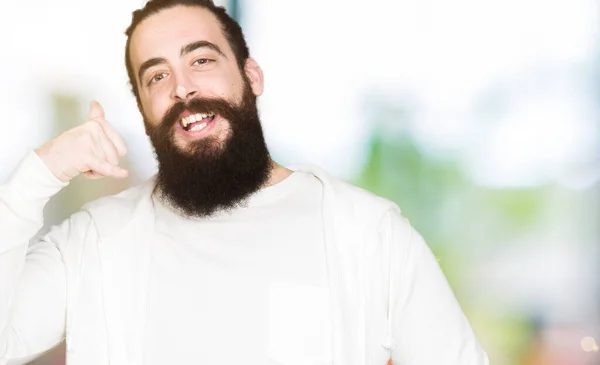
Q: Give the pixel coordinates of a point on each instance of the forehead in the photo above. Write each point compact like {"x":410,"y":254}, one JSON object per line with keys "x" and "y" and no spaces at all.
{"x":164,"y":33}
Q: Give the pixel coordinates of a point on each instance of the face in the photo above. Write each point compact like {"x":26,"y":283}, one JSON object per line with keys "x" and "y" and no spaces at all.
{"x":200,"y":112}
{"x":181,"y":54}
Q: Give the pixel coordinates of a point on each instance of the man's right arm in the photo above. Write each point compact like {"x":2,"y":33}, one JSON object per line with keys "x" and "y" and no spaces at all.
{"x":32,"y":276}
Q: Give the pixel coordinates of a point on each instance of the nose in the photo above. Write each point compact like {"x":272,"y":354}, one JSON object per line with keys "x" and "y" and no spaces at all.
{"x":184,"y":88}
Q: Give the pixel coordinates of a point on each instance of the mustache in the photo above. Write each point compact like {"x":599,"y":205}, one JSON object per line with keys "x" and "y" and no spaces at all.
{"x":219,"y":106}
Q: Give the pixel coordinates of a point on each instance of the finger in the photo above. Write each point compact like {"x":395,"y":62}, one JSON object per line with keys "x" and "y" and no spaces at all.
{"x":98,"y":166}
{"x":97,"y":147}
{"x":92,"y":175}
{"x":109,"y":150}
{"x":97,"y":114}
{"x":114,"y":136}
{"x":96,"y":111}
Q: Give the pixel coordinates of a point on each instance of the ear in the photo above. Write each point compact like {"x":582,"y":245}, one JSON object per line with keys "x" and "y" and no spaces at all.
{"x":255,"y":76}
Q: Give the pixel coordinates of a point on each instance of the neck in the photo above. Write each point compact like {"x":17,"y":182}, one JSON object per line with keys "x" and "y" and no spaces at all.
{"x":277,"y":174}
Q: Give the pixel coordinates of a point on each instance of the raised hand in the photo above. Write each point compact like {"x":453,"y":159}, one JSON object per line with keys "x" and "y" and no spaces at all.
{"x":92,"y":149}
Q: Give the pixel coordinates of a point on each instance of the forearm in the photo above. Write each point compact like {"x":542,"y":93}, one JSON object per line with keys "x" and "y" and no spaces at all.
{"x":22,"y":200}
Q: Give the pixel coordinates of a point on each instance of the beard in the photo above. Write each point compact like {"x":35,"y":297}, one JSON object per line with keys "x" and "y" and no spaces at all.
{"x":217,"y":172}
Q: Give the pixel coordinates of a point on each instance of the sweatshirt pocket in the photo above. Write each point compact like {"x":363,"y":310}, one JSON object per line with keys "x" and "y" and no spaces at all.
{"x":300,"y":330}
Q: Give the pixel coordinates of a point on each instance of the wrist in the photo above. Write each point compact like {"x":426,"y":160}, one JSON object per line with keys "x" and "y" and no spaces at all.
{"x":45,"y":154}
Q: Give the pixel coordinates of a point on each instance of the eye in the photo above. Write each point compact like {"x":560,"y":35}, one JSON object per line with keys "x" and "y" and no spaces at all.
{"x":202,"y":61}
{"x":156,"y":78}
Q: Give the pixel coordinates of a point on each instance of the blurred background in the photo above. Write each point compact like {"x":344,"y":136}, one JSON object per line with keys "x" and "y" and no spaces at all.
{"x":479,"y":118}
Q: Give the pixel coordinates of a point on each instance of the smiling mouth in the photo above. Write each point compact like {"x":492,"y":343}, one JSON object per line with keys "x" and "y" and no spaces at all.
{"x":196,"y":122}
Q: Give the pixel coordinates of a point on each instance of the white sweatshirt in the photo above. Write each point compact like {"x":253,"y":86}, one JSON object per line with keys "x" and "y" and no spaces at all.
{"x":87,"y":280}
{"x":242,"y":287}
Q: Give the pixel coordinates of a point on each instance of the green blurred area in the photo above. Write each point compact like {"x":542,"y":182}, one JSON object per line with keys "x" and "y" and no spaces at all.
{"x":464,"y":223}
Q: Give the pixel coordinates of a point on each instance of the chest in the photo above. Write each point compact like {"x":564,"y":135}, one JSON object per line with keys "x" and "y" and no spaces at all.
{"x":110,"y":284}
{"x":251,"y":286}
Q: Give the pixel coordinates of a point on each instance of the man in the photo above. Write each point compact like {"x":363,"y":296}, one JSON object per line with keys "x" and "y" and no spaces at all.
{"x":224,"y":257}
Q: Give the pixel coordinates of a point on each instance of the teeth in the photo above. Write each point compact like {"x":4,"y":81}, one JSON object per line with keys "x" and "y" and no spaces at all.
{"x":195,"y":118}
{"x":199,"y":127}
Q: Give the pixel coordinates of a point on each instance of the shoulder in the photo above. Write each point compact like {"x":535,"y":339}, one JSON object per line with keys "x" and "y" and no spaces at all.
{"x":353,"y":201}
{"x":111,"y":212}
{"x":126,"y":200}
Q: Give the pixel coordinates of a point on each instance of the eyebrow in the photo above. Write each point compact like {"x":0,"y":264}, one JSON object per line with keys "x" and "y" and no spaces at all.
{"x":201,"y":44}
{"x":146,"y":65}
{"x":184,"y":51}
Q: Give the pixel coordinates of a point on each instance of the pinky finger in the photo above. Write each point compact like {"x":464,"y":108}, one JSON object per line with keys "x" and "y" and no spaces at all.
{"x":89,"y":174}
{"x":92,"y":175}
{"x":99,"y":166}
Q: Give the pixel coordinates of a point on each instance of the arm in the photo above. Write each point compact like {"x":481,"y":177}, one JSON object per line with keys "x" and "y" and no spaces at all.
{"x":32,"y":278}
{"x":427,"y":322}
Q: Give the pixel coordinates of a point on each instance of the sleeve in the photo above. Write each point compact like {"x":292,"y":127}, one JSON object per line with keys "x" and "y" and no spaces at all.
{"x":32,"y":276}
{"x":426,"y":323}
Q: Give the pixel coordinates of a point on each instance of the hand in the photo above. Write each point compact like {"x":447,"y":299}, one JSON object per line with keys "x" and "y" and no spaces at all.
{"x":92,"y":149}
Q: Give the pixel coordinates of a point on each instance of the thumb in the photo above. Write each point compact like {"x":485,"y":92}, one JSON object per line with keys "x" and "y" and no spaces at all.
{"x":96,"y":111}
